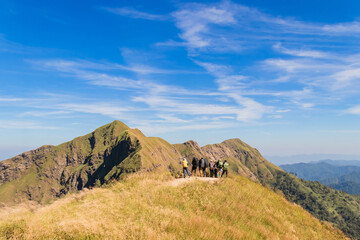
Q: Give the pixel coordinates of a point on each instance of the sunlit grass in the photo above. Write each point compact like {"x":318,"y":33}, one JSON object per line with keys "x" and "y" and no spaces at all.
{"x":145,"y":207}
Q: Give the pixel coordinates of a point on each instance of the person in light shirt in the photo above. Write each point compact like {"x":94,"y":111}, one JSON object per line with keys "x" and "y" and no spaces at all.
{"x":185,"y":167}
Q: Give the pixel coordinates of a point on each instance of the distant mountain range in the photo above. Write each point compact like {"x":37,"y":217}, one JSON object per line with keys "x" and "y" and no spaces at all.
{"x":339,"y":174}
{"x":341,"y":162}
{"x":306,"y":158}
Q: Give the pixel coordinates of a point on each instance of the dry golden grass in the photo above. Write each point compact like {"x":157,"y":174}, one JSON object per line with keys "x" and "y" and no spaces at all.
{"x":147,"y":207}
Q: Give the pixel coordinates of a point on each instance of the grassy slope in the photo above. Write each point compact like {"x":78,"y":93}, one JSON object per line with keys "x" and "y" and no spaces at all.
{"x":156,"y":151}
{"x":144,"y":206}
{"x":93,"y":159}
{"x":325,"y":203}
{"x":328,"y":204}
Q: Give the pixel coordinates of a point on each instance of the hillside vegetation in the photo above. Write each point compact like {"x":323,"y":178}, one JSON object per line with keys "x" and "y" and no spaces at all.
{"x":110,"y":152}
{"x":345,"y":178}
{"x":114,"y":151}
{"x":327,"y":204}
{"x":146,"y":206}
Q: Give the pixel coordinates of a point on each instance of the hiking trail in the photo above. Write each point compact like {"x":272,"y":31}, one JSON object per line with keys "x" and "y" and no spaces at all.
{"x":180,"y":181}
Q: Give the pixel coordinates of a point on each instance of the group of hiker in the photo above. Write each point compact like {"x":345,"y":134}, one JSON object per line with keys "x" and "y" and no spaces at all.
{"x":200,"y":166}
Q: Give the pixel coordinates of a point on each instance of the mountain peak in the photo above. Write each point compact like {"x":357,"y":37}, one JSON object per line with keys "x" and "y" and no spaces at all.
{"x":115,"y":125}
{"x":118,"y":123}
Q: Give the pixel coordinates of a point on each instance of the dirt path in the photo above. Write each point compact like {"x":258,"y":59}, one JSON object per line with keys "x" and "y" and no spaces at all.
{"x":180,"y":181}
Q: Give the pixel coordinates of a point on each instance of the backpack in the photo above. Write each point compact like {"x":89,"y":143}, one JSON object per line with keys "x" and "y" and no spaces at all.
{"x":212,"y":165}
{"x":206,"y":162}
{"x":220,"y":164}
{"x":195,"y":162}
{"x":202,"y":163}
{"x":226,"y":165}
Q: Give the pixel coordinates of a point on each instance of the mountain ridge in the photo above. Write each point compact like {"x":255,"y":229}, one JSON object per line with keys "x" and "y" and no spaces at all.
{"x":114,"y":150}
{"x":93,"y":159}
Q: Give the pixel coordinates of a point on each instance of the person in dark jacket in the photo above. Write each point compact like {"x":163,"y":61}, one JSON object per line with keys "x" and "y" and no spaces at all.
{"x":195,"y":164}
{"x":212,"y":167}
{"x":201,"y":166}
{"x":206,"y":165}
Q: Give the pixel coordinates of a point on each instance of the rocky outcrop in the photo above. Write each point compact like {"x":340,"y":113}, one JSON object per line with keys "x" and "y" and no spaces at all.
{"x":108,"y":153}
{"x":91,"y":160}
{"x":243,"y":159}
{"x":13,"y":169}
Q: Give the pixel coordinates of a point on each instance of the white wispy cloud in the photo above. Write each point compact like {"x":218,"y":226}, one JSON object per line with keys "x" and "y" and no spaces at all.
{"x":229,"y":85}
{"x":247,"y":110}
{"x":195,"y":20}
{"x":10,"y":99}
{"x":320,"y":72}
{"x":14,"y":47}
{"x":343,"y":77}
{"x":133,"y":13}
{"x":206,"y":30}
{"x":350,"y":27}
{"x":106,"y":109}
{"x":353,"y":110}
{"x":326,"y":74}
{"x":44,"y":113}
{"x":10,"y":46}
{"x":95,"y":74}
{"x":69,"y":65}
{"x":14,"y":124}
{"x":231,"y":27}
{"x":150,"y":128}
{"x":171,"y":118}
{"x":301,"y":52}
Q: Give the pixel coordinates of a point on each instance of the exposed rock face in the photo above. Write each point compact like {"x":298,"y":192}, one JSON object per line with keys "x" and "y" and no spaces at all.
{"x":11,"y":170}
{"x":194,"y":145}
{"x":91,"y":160}
{"x":243,"y":159}
{"x":107,"y":153}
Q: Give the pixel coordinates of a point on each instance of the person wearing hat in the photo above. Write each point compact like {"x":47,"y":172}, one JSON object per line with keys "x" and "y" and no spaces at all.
{"x":212,"y":168}
{"x":185,"y":167}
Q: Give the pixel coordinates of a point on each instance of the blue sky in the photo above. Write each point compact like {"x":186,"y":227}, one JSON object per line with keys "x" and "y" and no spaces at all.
{"x":281,"y":75}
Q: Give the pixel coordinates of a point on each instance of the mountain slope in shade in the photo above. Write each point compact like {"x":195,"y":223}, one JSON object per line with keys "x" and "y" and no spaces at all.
{"x":91,"y":160}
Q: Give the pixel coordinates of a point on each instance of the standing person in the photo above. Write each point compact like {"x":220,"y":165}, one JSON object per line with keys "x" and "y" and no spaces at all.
{"x":185,"y":167}
{"x":194,"y":163}
{"x":225,"y":168}
{"x":206,"y":165}
{"x":201,"y":166}
{"x":212,"y":167}
{"x":219,"y":168}
{"x":216,"y":169}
